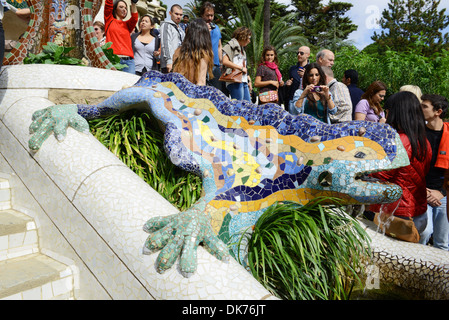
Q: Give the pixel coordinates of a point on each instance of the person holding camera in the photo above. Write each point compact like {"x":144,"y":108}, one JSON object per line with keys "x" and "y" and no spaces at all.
{"x":118,"y":30}
{"x":315,"y":99}
{"x":207,"y":13}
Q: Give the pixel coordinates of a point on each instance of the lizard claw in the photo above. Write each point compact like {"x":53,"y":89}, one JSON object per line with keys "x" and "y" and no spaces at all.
{"x":55,"y":119}
{"x":180,"y":235}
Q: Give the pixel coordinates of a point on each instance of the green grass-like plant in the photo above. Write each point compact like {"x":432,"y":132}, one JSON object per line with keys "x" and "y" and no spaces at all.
{"x":135,"y":138}
{"x":308,"y":252}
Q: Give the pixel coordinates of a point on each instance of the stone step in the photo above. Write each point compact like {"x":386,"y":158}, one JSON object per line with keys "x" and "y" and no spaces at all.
{"x":35,"y":277}
{"x":5,"y":194}
{"x":18,"y":234}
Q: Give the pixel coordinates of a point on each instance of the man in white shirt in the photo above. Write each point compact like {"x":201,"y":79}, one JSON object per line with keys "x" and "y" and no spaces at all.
{"x":340,"y":96}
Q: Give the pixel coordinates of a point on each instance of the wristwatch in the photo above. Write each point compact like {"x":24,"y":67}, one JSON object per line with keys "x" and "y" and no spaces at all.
{"x":134,"y":1}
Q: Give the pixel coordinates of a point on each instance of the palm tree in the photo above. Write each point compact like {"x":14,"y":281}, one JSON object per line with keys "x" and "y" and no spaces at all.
{"x":283,"y":35}
{"x":266,"y":22}
{"x":192,"y":9}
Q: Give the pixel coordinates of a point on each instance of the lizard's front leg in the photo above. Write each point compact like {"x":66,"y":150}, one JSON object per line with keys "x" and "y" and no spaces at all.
{"x":179,"y":235}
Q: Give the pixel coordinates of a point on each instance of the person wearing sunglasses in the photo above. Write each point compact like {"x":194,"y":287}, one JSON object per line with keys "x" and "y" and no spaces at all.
{"x":369,"y":108}
{"x":296,"y":74}
{"x":99,"y":32}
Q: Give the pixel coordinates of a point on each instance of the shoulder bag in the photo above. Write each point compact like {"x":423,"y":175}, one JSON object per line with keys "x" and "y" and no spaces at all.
{"x":396,"y":227}
{"x":268,"y":96}
{"x":231,"y":76}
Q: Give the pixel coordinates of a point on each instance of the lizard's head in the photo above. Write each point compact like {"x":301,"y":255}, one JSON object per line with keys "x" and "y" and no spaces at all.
{"x":342,"y":157}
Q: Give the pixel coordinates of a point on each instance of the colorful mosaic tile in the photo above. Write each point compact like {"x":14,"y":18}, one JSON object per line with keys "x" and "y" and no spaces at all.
{"x":249,"y":157}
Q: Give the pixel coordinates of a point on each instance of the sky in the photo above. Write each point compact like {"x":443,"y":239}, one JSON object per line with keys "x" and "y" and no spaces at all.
{"x":364,"y":14}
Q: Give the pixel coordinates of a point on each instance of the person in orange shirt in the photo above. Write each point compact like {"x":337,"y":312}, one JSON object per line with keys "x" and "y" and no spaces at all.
{"x":118,"y":30}
{"x":435,"y":108}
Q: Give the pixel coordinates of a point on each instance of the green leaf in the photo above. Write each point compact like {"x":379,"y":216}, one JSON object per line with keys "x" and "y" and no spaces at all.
{"x":50,"y":47}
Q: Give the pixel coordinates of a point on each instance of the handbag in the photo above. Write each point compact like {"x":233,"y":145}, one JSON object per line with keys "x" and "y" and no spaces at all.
{"x":395,"y":227}
{"x":234,"y":76}
{"x":268,"y":96}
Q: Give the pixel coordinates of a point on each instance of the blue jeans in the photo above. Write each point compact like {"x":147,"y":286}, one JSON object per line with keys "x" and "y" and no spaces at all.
{"x":239,"y":91}
{"x":131,"y":65}
{"x":437,"y":225}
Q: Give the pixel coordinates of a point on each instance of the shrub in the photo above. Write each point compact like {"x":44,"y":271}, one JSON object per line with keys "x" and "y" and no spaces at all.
{"x":396,"y":69}
{"x":307,"y":252}
{"x":53,"y":54}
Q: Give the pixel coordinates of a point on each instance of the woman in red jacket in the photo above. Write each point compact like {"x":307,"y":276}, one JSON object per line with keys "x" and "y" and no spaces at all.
{"x":404,"y":114}
{"x":118,"y":31}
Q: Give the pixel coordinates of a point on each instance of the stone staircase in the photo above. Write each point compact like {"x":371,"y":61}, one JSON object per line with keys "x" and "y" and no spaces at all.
{"x":26,"y":273}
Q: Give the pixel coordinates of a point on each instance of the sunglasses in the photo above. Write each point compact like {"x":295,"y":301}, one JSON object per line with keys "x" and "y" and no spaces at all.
{"x":301,"y":53}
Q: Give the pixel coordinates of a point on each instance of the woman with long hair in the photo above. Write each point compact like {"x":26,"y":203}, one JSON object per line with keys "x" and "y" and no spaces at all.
{"x":234,"y":57}
{"x":146,"y":46}
{"x":315,"y":99}
{"x":194,"y":59}
{"x":268,"y":77}
{"x":369,"y":107}
{"x":118,"y":30}
{"x":404,"y":113}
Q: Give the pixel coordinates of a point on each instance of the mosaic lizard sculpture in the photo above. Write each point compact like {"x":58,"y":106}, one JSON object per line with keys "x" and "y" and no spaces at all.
{"x":249,"y":157}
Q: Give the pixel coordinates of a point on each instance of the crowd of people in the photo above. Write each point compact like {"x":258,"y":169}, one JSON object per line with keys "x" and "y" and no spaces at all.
{"x":195,"y":50}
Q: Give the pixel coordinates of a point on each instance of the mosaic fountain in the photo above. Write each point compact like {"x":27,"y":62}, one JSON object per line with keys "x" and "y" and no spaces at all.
{"x":249,"y":157}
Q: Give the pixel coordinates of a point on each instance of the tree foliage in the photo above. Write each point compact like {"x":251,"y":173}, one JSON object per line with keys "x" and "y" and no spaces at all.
{"x":323,"y":24}
{"x":406,"y":21}
{"x":396,"y":69}
{"x":228,"y":10}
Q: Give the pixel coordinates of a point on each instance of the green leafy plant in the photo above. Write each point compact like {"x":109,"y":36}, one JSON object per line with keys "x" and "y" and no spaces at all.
{"x":113,"y":58}
{"x":136,"y":139}
{"x":53,"y":54}
{"x":307,"y":252}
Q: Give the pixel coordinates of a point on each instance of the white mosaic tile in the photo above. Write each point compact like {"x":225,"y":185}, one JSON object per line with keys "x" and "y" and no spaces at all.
{"x":86,"y":160}
{"x":59,"y":76}
{"x":10,"y":96}
{"x":120,"y":224}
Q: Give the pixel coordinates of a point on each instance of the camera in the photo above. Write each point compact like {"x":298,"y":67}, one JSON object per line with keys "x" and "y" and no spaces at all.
{"x":316,"y":89}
